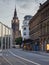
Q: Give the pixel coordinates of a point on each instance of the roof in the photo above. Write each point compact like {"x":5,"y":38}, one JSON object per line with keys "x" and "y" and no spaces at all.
{"x":42,"y":6}
{"x":15,"y":14}
{"x":27,"y":17}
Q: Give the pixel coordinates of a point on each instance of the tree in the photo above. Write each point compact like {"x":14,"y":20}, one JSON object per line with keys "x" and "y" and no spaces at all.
{"x":18,"y":41}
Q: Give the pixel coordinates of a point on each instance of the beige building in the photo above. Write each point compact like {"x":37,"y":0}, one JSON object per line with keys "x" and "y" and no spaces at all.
{"x":15,"y":27}
{"x":39,"y":27}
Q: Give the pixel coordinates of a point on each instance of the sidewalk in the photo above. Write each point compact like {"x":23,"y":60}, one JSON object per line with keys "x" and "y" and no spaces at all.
{"x":36,"y":52}
{"x":40,"y":53}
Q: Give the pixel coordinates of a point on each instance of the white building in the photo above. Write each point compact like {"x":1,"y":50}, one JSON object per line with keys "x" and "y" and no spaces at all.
{"x":25,"y":27}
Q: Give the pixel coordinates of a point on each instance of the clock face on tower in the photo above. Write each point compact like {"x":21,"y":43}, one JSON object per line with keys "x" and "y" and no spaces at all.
{"x":16,"y":20}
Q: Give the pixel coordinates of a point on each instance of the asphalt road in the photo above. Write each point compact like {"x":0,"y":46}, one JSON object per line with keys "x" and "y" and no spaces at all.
{"x":20,"y":57}
{"x":3,"y":62}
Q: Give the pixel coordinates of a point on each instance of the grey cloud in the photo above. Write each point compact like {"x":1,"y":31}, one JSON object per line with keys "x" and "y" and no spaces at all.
{"x":25,"y":4}
{"x":40,"y":1}
{"x":24,"y":0}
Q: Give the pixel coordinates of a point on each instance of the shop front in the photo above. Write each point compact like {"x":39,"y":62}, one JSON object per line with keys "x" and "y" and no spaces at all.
{"x":27,"y":44}
{"x":44,"y":44}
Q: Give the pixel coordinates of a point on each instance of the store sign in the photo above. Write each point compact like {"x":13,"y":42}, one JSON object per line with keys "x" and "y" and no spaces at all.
{"x":47,"y":46}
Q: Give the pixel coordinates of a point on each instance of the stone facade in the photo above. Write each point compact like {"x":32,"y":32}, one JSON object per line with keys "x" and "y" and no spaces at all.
{"x":39,"y":26}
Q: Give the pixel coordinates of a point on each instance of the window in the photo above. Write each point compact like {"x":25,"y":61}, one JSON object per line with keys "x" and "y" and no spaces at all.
{"x":25,"y":22}
{"x":48,"y":27}
{"x":24,"y":33}
{"x":27,"y":17}
{"x":24,"y":28}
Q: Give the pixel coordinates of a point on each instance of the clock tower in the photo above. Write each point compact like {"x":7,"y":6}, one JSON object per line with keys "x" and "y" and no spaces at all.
{"x":15,"y":26}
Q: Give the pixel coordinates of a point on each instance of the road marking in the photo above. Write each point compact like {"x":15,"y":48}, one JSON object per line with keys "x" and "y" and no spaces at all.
{"x":0,"y":54}
{"x":7,"y":61}
{"x":22,"y":62}
{"x":0,"y":63}
{"x":0,"y":50}
{"x":24,"y":58}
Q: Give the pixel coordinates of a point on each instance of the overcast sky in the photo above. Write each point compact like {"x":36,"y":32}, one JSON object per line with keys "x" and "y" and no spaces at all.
{"x":24,"y":7}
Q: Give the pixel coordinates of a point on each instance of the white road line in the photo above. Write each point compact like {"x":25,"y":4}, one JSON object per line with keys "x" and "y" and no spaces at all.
{"x":0,"y":63}
{"x":7,"y":61}
{"x":20,"y":61}
{"x":0,"y":54}
{"x":0,"y":50}
{"x":24,"y":58}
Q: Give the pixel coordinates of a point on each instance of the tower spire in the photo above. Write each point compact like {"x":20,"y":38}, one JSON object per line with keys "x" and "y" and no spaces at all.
{"x":15,"y":13}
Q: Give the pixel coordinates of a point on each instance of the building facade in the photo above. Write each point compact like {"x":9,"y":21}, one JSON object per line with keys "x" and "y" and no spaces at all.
{"x":25,"y":27}
{"x":15,"y":27}
{"x":5,"y":36}
{"x":39,"y":27}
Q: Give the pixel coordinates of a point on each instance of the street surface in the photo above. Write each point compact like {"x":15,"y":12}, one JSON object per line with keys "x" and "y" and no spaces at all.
{"x":3,"y":62}
{"x":20,"y":57}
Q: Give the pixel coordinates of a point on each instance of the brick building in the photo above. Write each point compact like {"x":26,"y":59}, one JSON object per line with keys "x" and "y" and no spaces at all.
{"x":39,"y":27}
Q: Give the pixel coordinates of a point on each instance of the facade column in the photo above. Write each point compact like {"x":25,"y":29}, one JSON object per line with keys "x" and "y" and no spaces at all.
{"x":5,"y":37}
{"x":8,"y":38}
{"x":1,"y":36}
{"x":11,"y":38}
